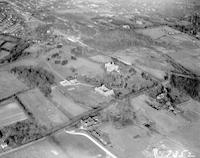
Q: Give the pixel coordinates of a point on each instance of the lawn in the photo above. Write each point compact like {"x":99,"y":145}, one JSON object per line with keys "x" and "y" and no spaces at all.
{"x":10,"y":113}
{"x":85,"y":95}
{"x":10,"y":85}
{"x":42,"y":109}
{"x":67,"y":103}
{"x":128,"y":142}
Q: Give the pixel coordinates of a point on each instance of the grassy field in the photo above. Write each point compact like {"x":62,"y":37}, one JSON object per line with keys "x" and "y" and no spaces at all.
{"x":11,"y":113}
{"x":158,"y":32}
{"x":163,"y":120}
{"x":67,"y":103}
{"x":115,"y":40}
{"x":42,"y":109}
{"x":85,"y":95}
{"x":136,"y":142}
{"x":170,"y":133}
{"x":183,"y":127}
{"x":81,"y":66}
{"x":75,"y":65}
{"x":9,"y":85}
{"x":3,"y":54}
{"x":86,"y":67}
{"x":143,"y":56}
{"x":101,"y":59}
{"x":129,"y":142}
{"x":188,"y":58}
{"x":61,"y":145}
{"x":189,"y":134}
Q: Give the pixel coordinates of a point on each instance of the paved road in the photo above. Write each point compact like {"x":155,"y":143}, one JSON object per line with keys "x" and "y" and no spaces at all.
{"x":66,"y":126}
{"x":111,"y":155}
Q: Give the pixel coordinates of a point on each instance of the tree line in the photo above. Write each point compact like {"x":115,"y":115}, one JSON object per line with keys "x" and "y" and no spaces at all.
{"x":35,"y":77}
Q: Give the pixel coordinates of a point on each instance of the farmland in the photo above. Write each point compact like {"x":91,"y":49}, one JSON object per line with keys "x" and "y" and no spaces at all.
{"x":11,"y":113}
{"x":42,"y":109}
{"x":10,"y":85}
{"x":85,"y":95}
{"x":67,"y":103}
{"x":60,"y":145}
{"x":99,"y":79}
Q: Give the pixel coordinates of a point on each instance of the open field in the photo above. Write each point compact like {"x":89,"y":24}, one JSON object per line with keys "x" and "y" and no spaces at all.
{"x":64,"y":64}
{"x":171,"y":37}
{"x":183,"y":127}
{"x":42,"y":109}
{"x":9,"y":85}
{"x":85,"y":95}
{"x":80,"y":66}
{"x":101,"y":59}
{"x":153,"y":71}
{"x":61,"y":145}
{"x":67,"y":103}
{"x":115,"y":40}
{"x":164,"y":121}
{"x":11,"y":113}
{"x":86,"y":67}
{"x":3,"y":54}
{"x":146,"y":60}
{"x":189,"y":60}
{"x":189,"y":134}
{"x":169,"y":134}
{"x":136,"y":142}
{"x":128,"y":142}
{"x":158,"y":32}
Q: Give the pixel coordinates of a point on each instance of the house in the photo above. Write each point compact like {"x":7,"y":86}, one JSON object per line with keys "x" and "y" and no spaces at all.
{"x":104,"y":91}
{"x":111,"y":67}
{"x":89,"y":123}
{"x":70,"y":82}
{"x":4,"y":145}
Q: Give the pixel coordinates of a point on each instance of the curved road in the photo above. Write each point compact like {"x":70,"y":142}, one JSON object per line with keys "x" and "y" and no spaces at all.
{"x":94,"y":141}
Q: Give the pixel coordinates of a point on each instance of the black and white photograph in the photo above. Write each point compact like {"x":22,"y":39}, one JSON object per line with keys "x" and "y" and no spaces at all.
{"x":99,"y":78}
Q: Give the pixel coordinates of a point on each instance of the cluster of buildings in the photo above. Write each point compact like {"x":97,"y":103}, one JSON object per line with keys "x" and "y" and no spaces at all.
{"x":163,"y":99}
{"x":103,"y":90}
{"x":91,"y":125}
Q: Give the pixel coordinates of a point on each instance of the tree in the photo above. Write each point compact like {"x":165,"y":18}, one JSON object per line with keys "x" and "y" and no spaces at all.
{"x":124,"y":115}
{"x":22,"y":132}
{"x":35,"y":77}
{"x":190,"y":86}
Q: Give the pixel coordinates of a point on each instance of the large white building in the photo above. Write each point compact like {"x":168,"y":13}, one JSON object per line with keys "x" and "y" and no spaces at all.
{"x":111,"y":67}
{"x":104,"y":91}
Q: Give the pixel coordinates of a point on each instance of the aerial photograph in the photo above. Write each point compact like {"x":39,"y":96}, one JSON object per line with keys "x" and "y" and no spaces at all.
{"x":99,"y":78}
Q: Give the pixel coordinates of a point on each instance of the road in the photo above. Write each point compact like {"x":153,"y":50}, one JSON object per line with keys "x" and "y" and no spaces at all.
{"x":66,"y":126}
{"x":111,"y":155}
